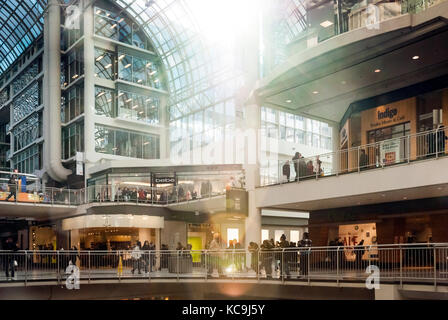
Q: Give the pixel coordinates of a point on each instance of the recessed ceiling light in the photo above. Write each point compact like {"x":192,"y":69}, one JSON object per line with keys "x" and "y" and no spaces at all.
{"x":315,"y":92}
{"x":405,"y":198}
{"x":288,"y":101}
{"x":377,"y":70}
{"x":326,"y":24}
{"x":415,"y":57}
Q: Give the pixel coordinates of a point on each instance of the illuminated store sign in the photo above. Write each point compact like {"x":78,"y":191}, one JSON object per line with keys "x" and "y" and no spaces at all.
{"x":387,"y":114}
{"x":163,"y":180}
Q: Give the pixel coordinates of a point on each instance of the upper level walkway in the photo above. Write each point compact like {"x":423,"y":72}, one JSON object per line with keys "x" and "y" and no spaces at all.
{"x":62,"y":202}
{"x":404,"y":168}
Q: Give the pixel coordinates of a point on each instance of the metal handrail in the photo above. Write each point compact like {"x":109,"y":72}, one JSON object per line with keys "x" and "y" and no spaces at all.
{"x":422,"y":263}
{"x":428,"y":141}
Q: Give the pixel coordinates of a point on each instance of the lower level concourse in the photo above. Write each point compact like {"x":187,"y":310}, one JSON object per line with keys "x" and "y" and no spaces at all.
{"x":411,"y":221}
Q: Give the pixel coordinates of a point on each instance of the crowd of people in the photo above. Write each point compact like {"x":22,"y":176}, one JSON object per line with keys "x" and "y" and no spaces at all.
{"x":267,"y":259}
{"x":302,"y":167}
{"x":179,"y":193}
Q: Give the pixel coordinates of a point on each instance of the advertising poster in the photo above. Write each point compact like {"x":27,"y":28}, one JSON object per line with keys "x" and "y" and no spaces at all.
{"x":390,"y":151}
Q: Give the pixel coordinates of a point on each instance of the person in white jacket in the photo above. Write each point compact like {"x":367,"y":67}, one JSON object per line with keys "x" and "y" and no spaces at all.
{"x":136,"y":257}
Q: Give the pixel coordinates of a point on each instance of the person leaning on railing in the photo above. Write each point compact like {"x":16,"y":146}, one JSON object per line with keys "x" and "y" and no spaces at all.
{"x":305,"y":244}
{"x":214,"y":247}
{"x":267,"y":257}
{"x":363,"y":160}
{"x":12,"y":188}
{"x":253,"y":249}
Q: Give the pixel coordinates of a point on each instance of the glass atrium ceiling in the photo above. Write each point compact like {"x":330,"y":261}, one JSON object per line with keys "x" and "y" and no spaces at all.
{"x":196,"y":40}
{"x":21,"y":22}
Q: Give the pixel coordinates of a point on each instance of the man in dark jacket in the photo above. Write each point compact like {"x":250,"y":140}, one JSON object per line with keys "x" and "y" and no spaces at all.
{"x":295,"y":161}
{"x":363,"y":159}
{"x":302,"y":167}
{"x":8,"y":262}
{"x":12,"y":187}
{"x":284,"y":262}
{"x":305,"y":244}
{"x":286,"y":170}
{"x":441,"y":137}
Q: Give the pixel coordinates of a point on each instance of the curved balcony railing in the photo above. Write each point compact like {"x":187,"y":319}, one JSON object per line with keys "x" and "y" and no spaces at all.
{"x":406,"y":149}
{"x":397,"y":263}
{"x":137,"y":194}
{"x":131,"y":194}
{"x":345,"y":16}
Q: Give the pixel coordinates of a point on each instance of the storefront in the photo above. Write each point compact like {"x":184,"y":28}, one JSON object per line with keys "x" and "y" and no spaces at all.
{"x":197,"y":181}
{"x":112,"y":232}
{"x":380,"y":128}
{"x":42,"y":238}
{"x":412,"y":221}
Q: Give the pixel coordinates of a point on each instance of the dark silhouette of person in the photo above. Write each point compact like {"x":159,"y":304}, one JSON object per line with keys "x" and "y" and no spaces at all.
{"x":12,"y":188}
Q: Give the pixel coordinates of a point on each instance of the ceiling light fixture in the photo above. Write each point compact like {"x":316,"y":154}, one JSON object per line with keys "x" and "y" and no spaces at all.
{"x":326,"y":24}
{"x":415,"y":57}
{"x":377,"y":70}
{"x":288,"y":101}
{"x":315,"y":92}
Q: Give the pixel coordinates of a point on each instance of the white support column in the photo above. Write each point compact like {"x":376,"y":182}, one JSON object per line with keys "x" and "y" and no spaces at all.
{"x":52,"y":94}
{"x":89,"y":86}
{"x":252,"y":171}
{"x":335,"y":147}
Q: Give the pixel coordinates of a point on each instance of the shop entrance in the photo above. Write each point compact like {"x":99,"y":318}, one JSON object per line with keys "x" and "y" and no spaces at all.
{"x":351,"y":236}
{"x":389,"y":151}
{"x":113,"y":238}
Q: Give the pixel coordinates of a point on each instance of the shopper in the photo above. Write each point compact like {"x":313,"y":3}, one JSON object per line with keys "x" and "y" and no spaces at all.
{"x":305,"y":244}
{"x":253,"y":249}
{"x":266,"y":256}
{"x":284,"y":259}
{"x":359,"y":254}
{"x":303,"y":166}
{"x":441,"y":138}
{"x":286,"y":170}
{"x":136,"y":257}
{"x":152,"y":256}
{"x":12,"y":188}
{"x":309,"y":168}
{"x":363,"y":160}
{"x":8,"y":262}
{"x":215,"y":245}
{"x":295,"y":161}
{"x":146,"y":255}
